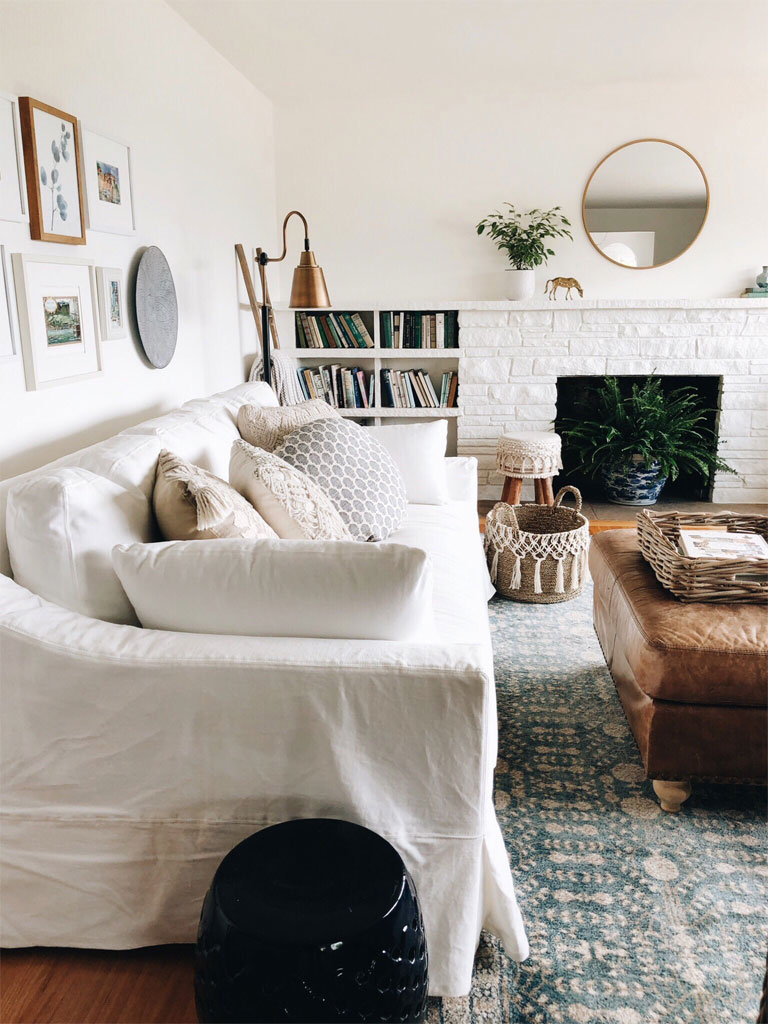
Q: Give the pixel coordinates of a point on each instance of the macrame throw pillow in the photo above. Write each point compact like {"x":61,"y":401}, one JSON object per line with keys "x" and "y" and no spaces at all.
{"x":293,"y":504}
{"x":266,"y":428}
{"x":192,"y":504}
{"x":354,"y":469}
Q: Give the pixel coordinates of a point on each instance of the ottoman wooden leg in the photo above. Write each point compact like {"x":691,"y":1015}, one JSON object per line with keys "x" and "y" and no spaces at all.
{"x":671,"y":794}
{"x":510,"y":492}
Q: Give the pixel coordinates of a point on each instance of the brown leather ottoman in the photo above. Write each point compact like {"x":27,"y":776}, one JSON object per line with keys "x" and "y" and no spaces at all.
{"x":693,"y":678}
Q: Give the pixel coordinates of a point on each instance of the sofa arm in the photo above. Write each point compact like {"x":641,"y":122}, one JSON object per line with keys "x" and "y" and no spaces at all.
{"x":461,"y":474}
{"x":105,"y":719}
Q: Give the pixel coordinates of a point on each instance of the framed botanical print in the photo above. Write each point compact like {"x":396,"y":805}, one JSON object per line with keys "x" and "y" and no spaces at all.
{"x":108,"y":184}
{"x":8,"y":347}
{"x":58,"y":319}
{"x":54,"y":178}
{"x":12,"y":187}
{"x":109,"y":283}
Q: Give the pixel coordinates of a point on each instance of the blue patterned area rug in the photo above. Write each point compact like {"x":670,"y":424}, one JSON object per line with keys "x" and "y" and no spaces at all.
{"x":634,"y":916}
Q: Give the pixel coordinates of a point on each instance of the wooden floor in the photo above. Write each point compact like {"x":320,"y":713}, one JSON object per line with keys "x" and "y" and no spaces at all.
{"x":144,"y":986}
{"x":66,"y":986}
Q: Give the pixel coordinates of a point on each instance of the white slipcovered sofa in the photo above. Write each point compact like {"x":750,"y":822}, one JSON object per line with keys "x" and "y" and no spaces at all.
{"x":134,"y":759}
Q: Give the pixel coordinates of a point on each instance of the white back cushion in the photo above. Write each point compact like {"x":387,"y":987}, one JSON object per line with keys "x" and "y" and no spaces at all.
{"x":333,"y":589}
{"x":61,"y":530}
{"x":418,"y":451}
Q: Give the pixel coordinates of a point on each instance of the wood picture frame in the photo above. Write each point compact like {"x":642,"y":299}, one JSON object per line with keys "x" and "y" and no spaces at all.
{"x":58,"y":318}
{"x":38,"y":176}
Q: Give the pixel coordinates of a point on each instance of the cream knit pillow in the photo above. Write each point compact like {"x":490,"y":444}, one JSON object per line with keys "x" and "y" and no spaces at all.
{"x":292,"y":503}
{"x":192,"y":504}
{"x":266,"y":427}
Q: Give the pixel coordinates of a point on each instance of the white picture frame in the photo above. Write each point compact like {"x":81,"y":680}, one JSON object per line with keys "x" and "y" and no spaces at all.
{"x":13,"y":189}
{"x":58,"y":319}
{"x":108,"y":183}
{"x":112,"y":312}
{"x":8,"y":334}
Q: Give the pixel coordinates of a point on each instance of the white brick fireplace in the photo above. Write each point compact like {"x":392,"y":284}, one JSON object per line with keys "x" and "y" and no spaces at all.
{"x":513,"y":353}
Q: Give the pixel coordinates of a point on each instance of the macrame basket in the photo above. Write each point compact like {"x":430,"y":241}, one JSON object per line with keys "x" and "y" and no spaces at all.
{"x":538,"y":553}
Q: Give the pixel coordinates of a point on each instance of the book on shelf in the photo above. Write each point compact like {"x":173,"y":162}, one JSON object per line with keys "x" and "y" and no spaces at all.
{"x":722,"y":544}
{"x":332,"y":330}
{"x":343,"y":387}
{"x":413,"y":389}
{"x":755,"y":293}
{"x":412,"y":329}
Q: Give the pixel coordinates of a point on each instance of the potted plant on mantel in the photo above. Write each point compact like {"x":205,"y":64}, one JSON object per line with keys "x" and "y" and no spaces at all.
{"x":634,"y":443}
{"x":523,"y":237}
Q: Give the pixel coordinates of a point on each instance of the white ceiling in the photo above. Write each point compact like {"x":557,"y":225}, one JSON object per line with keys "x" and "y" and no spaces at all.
{"x":317,"y":49}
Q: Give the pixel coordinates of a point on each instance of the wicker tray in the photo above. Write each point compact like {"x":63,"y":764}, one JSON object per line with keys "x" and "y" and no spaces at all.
{"x":717,"y":580}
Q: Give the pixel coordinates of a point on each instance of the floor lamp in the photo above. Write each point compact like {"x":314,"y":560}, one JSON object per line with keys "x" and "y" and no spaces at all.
{"x":308,"y":290}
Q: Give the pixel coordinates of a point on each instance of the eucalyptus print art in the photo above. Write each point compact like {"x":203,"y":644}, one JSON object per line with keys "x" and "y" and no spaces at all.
{"x":51,"y":142}
{"x":60,"y":151}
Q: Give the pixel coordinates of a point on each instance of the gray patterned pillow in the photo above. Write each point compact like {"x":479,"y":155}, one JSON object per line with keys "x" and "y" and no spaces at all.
{"x":355,"y":471}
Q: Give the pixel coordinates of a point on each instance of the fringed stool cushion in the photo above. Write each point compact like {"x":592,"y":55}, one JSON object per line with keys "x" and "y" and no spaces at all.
{"x":528,"y":456}
{"x":538,"y":553}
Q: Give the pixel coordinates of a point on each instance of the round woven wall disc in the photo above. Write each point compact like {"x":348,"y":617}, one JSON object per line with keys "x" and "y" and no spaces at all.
{"x":157,"y":311}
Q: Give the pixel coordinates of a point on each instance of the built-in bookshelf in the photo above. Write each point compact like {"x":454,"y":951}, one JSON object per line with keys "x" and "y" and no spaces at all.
{"x":411,"y":343}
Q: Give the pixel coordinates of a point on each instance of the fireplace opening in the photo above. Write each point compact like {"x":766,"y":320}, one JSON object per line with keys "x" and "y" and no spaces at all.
{"x":575,"y":397}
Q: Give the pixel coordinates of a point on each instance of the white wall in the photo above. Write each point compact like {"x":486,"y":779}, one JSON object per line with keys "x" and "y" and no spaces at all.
{"x":395,"y":184}
{"x":203,"y":176}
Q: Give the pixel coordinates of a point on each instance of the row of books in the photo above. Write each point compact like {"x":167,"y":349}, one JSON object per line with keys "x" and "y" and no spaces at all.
{"x":343,"y":387}
{"x":412,"y":389}
{"x":350,"y":387}
{"x":419,"y":330}
{"x":332,"y":330}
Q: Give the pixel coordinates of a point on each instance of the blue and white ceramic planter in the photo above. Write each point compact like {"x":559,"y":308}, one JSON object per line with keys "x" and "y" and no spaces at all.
{"x":636,"y":484}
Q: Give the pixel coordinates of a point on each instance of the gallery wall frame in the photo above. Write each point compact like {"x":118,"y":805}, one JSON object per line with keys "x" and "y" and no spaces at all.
{"x":50,"y":140}
{"x":13,"y":197}
{"x":108,"y":183}
{"x":113,"y":322}
{"x":9,"y":343}
{"x":58,"y":319}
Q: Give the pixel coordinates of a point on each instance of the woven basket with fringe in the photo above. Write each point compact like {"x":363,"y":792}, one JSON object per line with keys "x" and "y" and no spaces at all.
{"x":538,"y":553}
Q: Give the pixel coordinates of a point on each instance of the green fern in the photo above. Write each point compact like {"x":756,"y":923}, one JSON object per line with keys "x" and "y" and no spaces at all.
{"x":667,"y":429}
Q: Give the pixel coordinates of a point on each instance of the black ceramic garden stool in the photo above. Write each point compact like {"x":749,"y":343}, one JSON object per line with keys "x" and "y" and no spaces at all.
{"x":314,"y":920}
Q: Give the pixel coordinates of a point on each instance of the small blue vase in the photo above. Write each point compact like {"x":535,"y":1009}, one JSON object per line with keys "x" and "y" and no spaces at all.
{"x":762,"y":279}
{"x":635,"y":484}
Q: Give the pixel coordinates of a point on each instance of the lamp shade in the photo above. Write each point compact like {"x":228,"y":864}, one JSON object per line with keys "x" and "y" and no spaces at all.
{"x":308,"y":288}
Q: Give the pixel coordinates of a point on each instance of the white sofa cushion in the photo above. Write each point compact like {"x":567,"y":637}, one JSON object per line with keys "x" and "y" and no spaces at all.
{"x":331,"y":589}
{"x":355,"y":471}
{"x":61,"y":531}
{"x":291,"y":502}
{"x":418,"y":451}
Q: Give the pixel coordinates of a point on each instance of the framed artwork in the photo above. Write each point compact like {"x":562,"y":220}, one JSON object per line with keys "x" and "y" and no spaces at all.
{"x":54,"y":177}
{"x":58,"y":319}
{"x":108,"y":185}
{"x":8,"y":348}
{"x":12,"y":199}
{"x":109,"y":282}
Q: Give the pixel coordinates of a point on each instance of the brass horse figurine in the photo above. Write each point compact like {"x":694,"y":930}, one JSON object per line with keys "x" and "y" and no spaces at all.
{"x":563,"y":282}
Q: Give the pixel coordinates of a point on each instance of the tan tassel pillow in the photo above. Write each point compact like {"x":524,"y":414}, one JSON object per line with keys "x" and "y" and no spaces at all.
{"x":266,"y":427}
{"x":192,"y":504}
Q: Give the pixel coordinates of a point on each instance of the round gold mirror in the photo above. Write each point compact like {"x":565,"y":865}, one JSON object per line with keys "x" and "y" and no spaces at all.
{"x":645,"y":203}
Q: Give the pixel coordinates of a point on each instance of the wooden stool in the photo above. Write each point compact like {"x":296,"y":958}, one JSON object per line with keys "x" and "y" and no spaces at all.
{"x":528,"y":456}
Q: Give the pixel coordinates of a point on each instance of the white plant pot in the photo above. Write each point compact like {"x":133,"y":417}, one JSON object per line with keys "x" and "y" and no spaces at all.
{"x":521,"y":284}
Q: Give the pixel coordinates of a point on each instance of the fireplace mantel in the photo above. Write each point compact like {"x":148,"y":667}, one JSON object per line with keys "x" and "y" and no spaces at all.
{"x":512,"y":353}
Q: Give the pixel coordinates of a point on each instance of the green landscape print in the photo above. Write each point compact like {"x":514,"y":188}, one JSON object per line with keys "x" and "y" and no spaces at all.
{"x":62,"y":320}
